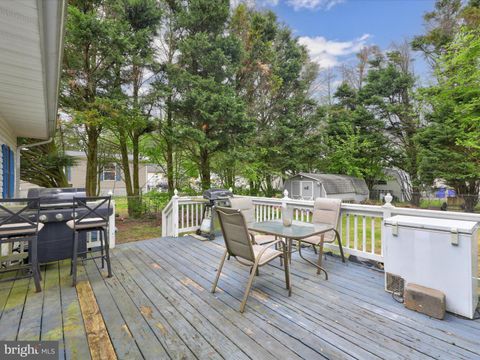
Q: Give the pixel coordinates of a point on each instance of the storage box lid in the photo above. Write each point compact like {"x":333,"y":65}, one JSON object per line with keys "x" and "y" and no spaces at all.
{"x":466,"y":227}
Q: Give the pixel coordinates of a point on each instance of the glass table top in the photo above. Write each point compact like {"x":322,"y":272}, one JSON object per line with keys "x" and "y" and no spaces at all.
{"x":298,"y":230}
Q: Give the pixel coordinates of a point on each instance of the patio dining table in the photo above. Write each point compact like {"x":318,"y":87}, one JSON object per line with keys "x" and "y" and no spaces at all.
{"x":296,"y":231}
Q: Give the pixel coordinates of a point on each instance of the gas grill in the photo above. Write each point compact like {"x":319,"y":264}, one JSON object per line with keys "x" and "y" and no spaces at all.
{"x":56,"y":208}
{"x":215,"y":197}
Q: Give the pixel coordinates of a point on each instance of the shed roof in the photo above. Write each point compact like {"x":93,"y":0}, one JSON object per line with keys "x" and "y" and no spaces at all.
{"x":339,"y":184}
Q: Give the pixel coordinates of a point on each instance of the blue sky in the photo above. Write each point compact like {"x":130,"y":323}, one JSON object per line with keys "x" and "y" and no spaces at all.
{"x":334,"y":30}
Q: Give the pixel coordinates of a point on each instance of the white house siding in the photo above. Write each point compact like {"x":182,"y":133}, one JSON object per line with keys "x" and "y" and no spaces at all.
{"x":7,"y":137}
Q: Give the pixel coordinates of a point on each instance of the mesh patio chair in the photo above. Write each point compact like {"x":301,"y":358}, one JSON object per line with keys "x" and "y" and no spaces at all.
{"x":245,"y":205}
{"x":91,"y":220}
{"x":239,"y":245}
{"x":325,"y":211}
{"x":19,"y":226}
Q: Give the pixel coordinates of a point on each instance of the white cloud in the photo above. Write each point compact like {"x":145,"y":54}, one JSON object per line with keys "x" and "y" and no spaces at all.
{"x":330,"y":53}
{"x":254,"y":3}
{"x":313,"y":4}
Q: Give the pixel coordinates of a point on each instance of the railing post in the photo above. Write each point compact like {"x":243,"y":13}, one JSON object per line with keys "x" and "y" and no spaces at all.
{"x":284,"y":204}
{"x":175,"y":213}
{"x":111,"y":234}
{"x":387,"y":212}
{"x":164,"y":223}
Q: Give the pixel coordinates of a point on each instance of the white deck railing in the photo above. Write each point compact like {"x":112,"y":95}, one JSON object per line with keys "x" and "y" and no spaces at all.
{"x":361,"y":226}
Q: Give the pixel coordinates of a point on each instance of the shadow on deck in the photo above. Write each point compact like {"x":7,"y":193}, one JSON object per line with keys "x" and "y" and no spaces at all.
{"x":158,"y":305}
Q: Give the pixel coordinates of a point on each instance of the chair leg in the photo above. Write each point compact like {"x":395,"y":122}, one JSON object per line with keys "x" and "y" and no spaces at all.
{"x":220,"y":267}
{"x":249,"y":285}
{"x":107,"y":252}
{"x":39,"y":272}
{"x":71,"y":262}
{"x":289,"y":244}
{"x":280,"y":257}
{"x":340,"y":245}
{"x":320,"y":254}
{"x":287,"y":275}
{"x":36,"y":278}
{"x":100,"y":233}
{"x":74,"y":258}
{"x":34,"y":265}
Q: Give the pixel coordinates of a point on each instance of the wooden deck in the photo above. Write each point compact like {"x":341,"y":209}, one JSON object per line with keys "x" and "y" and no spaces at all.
{"x":158,"y":305}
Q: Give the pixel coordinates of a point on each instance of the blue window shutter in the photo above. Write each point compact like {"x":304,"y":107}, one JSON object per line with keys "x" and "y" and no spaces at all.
{"x":12,"y":174}
{"x":4,"y":171}
{"x":118,"y":173}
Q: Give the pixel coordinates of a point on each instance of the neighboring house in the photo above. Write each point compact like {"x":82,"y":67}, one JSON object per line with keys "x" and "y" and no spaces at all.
{"x":309,"y":186}
{"x":111,"y":175}
{"x":31,"y":43}
{"x":397,"y":183}
{"x":111,"y":178}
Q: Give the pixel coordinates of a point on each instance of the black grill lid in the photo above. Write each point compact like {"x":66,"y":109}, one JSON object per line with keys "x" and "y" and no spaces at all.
{"x":51,"y":195}
{"x":217,"y":194}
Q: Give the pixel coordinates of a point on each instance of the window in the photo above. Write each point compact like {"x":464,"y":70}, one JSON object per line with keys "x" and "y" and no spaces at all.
{"x":111,"y":172}
{"x":108,"y":172}
{"x":8,"y":172}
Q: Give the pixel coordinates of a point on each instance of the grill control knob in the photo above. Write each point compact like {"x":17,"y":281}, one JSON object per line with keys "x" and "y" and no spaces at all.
{"x":42,"y":218}
{"x":59,"y":217}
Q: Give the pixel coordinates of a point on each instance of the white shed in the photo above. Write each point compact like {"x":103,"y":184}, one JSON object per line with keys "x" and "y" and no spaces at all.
{"x":309,"y":186}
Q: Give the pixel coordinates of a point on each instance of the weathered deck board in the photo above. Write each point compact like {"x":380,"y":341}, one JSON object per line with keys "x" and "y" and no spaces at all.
{"x":76,"y":343}
{"x":182,"y":323}
{"x":338,"y":324}
{"x":338,"y":309}
{"x":30,"y":324}
{"x":159,"y":305}
{"x":189,"y":289}
{"x":342,"y":306}
{"x":123,"y":342}
{"x":99,"y":342}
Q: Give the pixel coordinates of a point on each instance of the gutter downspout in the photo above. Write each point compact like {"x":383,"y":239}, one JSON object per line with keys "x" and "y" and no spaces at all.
{"x":17,"y":161}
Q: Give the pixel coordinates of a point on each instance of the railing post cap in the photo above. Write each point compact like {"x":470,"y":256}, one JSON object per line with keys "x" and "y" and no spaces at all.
{"x":175,"y":192}
{"x":388,"y":200}
{"x":230,"y":189}
{"x":285,"y":194}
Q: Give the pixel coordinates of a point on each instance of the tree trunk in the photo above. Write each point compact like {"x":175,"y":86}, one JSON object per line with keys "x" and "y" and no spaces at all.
{"x":205,"y":169}
{"x":91,"y":175}
{"x":269,"y":192}
{"x":169,"y":142}
{"x":135,"y":205}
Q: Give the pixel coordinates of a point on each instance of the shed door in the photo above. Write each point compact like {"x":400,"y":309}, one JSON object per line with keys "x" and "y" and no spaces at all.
{"x":296,"y":190}
{"x":307,"y":190}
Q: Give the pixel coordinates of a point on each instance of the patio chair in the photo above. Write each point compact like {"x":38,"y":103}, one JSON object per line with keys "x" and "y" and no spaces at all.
{"x":325,"y":211}
{"x":239,"y":245}
{"x":245,"y":205}
{"x":90,"y":221}
{"x":19,"y":226}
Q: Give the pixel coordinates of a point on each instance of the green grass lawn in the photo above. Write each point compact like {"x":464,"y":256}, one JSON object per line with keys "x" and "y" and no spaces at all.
{"x":360,"y":228}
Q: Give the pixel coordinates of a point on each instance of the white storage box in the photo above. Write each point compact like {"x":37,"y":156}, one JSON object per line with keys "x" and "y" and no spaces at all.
{"x":436,"y":253}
